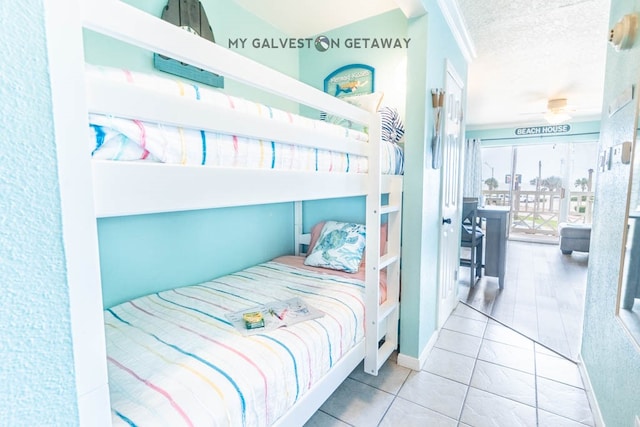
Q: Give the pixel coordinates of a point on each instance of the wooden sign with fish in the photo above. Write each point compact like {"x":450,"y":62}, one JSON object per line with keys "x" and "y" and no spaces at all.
{"x":350,"y":80}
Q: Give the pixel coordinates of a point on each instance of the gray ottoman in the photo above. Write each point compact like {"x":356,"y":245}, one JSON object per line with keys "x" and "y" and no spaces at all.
{"x":574,"y":237}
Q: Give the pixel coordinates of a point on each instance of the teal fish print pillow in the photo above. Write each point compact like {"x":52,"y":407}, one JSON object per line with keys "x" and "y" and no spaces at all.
{"x":339,"y":247}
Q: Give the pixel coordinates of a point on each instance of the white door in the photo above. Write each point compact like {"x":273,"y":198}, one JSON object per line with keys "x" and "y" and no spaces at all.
{"x":452,"y":142}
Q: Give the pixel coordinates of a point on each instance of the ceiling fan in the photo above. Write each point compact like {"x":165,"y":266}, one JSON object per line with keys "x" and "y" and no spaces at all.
{"x":558,"y":111}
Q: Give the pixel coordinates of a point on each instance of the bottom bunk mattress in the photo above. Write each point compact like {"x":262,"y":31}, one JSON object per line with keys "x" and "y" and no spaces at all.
{"x":175,"y":359}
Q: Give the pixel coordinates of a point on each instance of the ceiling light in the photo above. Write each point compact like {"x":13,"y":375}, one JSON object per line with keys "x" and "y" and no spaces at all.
{"x":557,"y":111}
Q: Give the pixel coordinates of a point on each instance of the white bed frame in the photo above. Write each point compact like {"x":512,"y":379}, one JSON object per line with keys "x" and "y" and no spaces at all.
{"x":121,"y":188}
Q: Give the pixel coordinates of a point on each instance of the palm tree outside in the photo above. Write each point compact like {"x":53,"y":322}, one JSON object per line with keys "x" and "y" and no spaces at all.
{"x":491,"y":183}
{"x":582,"y":183}
{"x":554,"y":186}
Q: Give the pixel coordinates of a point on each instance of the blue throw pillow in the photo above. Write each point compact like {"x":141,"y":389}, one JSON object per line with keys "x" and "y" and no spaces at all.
{"x":339,"y":247}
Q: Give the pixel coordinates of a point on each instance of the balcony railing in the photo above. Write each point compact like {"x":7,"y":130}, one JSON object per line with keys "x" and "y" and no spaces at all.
{"x":538,"y":212}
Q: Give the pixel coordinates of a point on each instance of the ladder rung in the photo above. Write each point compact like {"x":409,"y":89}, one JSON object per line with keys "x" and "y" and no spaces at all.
{"x":386,"y":309}
{"x":305,"y":239}
{"x":384,"y":352}
{"x":387,"y":259}
{"x":389,"y":209}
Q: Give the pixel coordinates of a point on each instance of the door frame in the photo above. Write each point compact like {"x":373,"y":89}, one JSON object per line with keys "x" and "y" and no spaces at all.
{"x":444,"y":312}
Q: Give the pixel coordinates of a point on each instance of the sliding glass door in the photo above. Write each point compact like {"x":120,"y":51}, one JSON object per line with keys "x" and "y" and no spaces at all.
{"x":543,"y":184}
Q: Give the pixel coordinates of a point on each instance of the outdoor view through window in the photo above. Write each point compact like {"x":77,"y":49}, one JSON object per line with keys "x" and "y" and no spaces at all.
{"x":545,"y":184}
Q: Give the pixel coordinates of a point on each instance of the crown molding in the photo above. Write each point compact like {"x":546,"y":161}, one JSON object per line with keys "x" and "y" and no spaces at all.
{"x":411,"y":8}
{"x":451,"y":12}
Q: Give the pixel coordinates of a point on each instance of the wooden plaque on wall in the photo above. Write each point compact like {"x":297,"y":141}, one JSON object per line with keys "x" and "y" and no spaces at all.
{"x":190,"y":16}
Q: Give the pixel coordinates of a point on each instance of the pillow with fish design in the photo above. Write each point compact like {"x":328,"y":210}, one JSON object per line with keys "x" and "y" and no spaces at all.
{"x":339,"y":247}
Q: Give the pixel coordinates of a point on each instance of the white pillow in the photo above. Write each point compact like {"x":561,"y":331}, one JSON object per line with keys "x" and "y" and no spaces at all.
{"x":370,"y":102}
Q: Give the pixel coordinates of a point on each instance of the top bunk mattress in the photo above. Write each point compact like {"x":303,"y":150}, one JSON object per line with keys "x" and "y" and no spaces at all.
{"x":128,"y":139}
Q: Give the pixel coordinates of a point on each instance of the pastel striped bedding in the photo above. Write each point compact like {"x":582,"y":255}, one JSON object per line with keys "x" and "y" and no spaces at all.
{"x":115,"y":138}
{"x":175,"y":360}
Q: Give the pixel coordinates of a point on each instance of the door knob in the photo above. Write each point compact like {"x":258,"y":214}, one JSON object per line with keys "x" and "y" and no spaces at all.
{"x":446,"y":220}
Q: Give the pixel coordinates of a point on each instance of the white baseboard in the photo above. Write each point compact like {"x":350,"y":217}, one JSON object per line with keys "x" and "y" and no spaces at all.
{"x":593,"y":402}
{"x":417,"y":364}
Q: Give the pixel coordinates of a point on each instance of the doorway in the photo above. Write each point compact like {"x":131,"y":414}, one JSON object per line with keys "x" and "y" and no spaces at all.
{"x":450,"y":174}
{"x":543,"y":185}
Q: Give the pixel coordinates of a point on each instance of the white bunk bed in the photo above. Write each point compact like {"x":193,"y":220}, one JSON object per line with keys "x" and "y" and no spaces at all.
{"x":129,"y":188}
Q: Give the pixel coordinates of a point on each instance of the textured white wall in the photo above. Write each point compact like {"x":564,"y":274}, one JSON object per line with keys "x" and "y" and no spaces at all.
{"x":37,"y":385}
{"x":609,"y":355}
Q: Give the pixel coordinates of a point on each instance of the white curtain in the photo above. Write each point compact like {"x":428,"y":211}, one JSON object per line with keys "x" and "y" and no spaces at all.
{"x":472,"y":184}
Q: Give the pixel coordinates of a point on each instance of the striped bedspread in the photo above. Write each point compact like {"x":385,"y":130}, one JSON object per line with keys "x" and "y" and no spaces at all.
{"x":175,"y":360}
{"x":114,"y":138}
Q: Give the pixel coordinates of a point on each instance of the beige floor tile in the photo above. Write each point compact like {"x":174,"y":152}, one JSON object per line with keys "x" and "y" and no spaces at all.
{"x":500,"y":333}
{"x":463,"y":310}
{"x":450,"y":365}
{"x":407,"y":414}
{"x":482,"y":409}
{"x":506,"y":382}
{"x":357,"y":404}
{"x":435,"y":392}
{"x":390,"y":376}
{"x":557,"y":369}
{"x":547,"y":419}
{"x":507,"y":355}
{"x":465,"y":325}
{"x":564,"y":400}
{"x":459,"y":342}
{"x":321,"y":419}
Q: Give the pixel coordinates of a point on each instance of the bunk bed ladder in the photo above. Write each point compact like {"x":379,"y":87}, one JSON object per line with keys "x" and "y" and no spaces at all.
{"x":381,"y":320}
{"x":381,"y":332}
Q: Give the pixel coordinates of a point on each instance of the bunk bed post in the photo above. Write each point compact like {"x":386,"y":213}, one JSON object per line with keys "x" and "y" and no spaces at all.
{"x":381,"y":334}
{"x":372,"y":274}
{"x":394,"y":220}
{"x":297,"y":227}
{"x":63,"y":21}
{"x":118,"y":186}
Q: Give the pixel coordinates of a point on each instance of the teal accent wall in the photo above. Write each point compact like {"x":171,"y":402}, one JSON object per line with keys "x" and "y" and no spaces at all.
{"x":389,"y":64}
{"x":142,"y":254}
{"x":37,"y":379}
{"x":418,"y":279}
{"x":390,"y":78}
{"x":348,"y":209}
{"x":580,"y":132}
{"x":421,"y":211}
{"x":228,"y":21}
{"x":138,"y":254}
{"x":406,"y":76}
{"x":610,"y":357}
{"x":149,"y":253}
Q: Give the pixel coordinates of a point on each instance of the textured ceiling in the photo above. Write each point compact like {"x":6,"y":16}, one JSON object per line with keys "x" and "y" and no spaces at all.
{"x":301,"y":18}
{"x":529,"y":51}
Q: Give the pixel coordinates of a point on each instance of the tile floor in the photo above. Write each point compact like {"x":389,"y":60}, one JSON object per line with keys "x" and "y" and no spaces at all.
{"x":480,"y":373}
{"x":543,"y":296}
